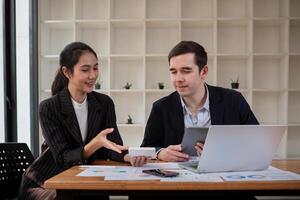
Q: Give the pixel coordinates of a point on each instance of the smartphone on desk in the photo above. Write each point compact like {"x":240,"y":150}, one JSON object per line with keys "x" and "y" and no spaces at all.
{"x":161,"y":172}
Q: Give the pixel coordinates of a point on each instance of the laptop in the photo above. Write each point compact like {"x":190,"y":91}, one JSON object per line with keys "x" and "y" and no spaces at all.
{"x":237,"y":148}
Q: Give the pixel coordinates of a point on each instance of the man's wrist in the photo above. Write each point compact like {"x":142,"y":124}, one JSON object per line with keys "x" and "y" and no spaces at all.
{"x":157,"y":152}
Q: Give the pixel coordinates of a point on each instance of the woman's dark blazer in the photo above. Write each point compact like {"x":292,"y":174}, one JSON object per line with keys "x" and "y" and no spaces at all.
{"x":64,"y":145}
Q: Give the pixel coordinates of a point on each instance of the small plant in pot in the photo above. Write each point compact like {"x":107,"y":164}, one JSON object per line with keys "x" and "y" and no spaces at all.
{"x":127,"y":86}
{"x":129,"y":120}
{"x":235,"y":83}
{"x":161,"y":85}
{"x":98,"y":85}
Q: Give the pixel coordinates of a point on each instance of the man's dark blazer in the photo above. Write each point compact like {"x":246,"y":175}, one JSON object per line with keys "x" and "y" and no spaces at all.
{"x":165,"y":124}
{"x":64,"y":144}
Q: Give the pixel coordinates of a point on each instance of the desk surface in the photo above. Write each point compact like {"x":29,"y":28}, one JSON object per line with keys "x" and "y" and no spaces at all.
{"x":68,"y":180}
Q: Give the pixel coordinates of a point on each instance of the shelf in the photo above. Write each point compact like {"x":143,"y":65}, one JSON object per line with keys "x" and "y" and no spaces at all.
{"x":293,"y":138}
{"x":246,"y":94}
{"x":294,"y":18}
{"x":131,"y":125}
{"x":56,"y":10}
{"x":269,"y":55}
{"x":50,"y":56}
{"x":255,"y":40}
{"x":281,"y":150}
{"x":270,"y":36}
{"x":91,"y":9}
{"x":269,"y":107}
{"x":201,"y":32}
{"x":103,"y":72}
{"x":102,"y":91}
{"x":132,"y":135}
{"x":233,"y":21}
{"x":233,"y":56}
{"x":294,"y":107}
{"x":294,"y":72}
{"x":268,"y":20}
{"x":127,"y":70}
{"x":44,"y":95}
{"x":272,"y":68}
{"x":61,"y":33}
{"x":197,"y":9}
{"x":232,"y":68}
{"x":126,"y":56}
{"x":126,"y":91}
{"x":294,"y":54}
{"x":160,"y":38}
{"x":127,"y":9}
{"x":159,"y":91}
{"x":294,"y":36}
{"x":270,"y":8}
{"x":151,"y":98}
{"x":159,"y":9}
{"x":134,"y":22}
{"x":94,"y":34}
{"x":244,"y":91}
{"x":294,"y":90}
{"x":162,"y":21}
{"x":46,"y":90}
{"x":294,"y":124}
{"x":47,"y":77}
{"x":198,"y":21}
{"x":56,"y":22}
{"x":211,"y":78}
{"x":129,"y":104}
{"x":157,"y":70}
{"x":134,"y":34}
{"x":264,"y":90}
{"x":294,"y":8}
{"x":157,"y":56}
{"x":233,"y":8}
{"x":233,"y":37}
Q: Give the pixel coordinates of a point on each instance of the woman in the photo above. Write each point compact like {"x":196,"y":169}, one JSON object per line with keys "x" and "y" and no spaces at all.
{"x":78,"y":124}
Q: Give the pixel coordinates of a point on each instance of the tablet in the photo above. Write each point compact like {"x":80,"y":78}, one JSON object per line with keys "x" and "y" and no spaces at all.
{"x":191,"y":136}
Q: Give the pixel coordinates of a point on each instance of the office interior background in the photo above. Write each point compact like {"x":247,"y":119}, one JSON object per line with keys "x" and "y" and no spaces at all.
{"x":254,"y":41}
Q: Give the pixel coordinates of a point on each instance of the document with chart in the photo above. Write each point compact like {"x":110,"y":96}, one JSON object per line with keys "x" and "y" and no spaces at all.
{"x":136,"y":173}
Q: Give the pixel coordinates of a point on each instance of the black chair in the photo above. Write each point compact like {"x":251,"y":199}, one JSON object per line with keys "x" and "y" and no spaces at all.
{"x":14,"y":160}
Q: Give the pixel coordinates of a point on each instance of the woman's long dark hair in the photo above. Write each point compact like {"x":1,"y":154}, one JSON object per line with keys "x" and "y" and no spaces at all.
{"x":68,"y":58}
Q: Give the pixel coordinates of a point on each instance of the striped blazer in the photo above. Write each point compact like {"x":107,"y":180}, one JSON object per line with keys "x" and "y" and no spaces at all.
{"x":64,"y":144}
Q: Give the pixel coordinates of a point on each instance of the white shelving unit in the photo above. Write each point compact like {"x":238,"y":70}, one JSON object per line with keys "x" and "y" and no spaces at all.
{"x":257,"y":41}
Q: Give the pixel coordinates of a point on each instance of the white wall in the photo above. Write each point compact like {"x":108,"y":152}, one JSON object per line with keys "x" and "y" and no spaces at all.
{"x":23,"y":81}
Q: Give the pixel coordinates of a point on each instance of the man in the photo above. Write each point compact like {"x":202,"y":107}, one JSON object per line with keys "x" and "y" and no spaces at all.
{"x":194,"y":103}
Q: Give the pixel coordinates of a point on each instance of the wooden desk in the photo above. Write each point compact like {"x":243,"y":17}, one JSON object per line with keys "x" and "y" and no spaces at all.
{"x":69,"y":185}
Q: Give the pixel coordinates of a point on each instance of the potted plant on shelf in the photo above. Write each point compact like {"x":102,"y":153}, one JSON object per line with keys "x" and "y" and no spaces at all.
{"x":98,"y":85}
{"x":235,"y":83}
{"x":127,"y":86}
{"x":129,"y":120}
{"x":161,"y":85}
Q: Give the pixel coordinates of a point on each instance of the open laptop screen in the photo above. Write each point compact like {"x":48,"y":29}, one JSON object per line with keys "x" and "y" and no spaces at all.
{"x":239,"y":147}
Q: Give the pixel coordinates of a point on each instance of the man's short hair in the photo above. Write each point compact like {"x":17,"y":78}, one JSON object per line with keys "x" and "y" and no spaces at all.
{"x":184,"y":47}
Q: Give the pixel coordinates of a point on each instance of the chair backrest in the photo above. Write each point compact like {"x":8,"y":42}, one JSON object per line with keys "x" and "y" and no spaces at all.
{"x":14,"y":160}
